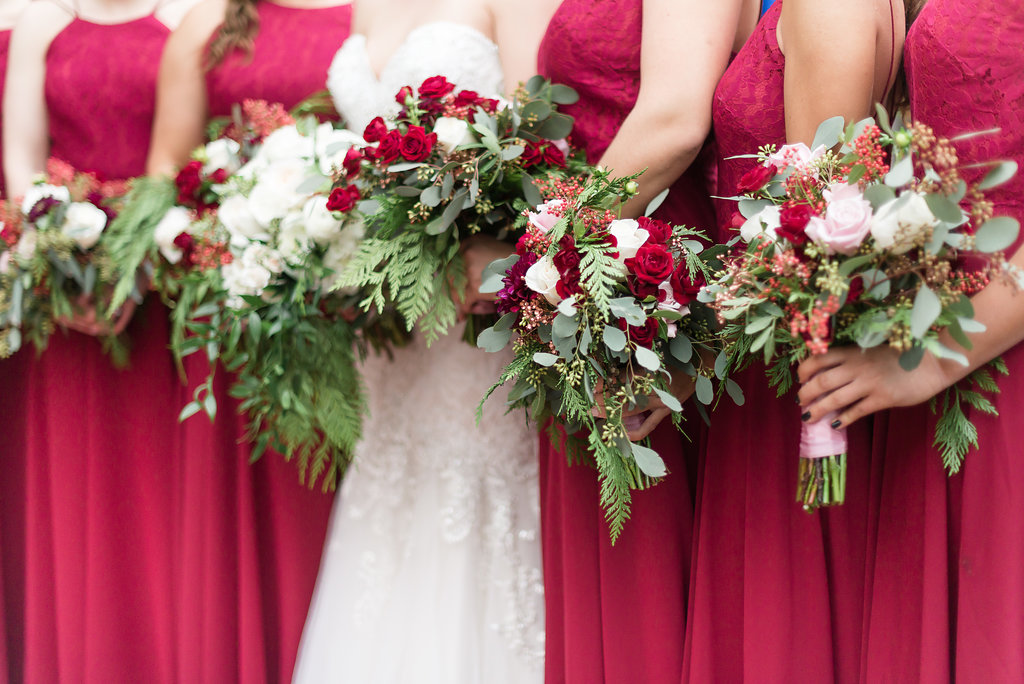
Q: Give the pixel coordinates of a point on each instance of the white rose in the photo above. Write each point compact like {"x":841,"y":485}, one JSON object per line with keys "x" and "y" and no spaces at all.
{"x":451,"y":133}
{"x":629,"y":237}
{"x":175,"y":222}
{"x":221,"y":153}
{"x":25,"y":249}
{"x":84,"y":223}
{"x":765,"y":221}
{"x":320,"y":222}
{"x":257,"y":254}
{"x":241,"y":278}
{"x":276,"y":191}
{"x":236,"y":215}
{"x":292,"y":241}
{"x":286,"y":143}
{"x":899,"y":223}
{"x":38,"y":192}
{"x":542,"y":277}
{"x":332,"y":145}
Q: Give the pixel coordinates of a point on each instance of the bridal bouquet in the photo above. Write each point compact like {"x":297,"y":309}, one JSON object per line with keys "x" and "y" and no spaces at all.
{"x":600,"y":309}
{"x":450,"y":166}
{"x":249,"y":257}
{"x":844,"y":248}
{"x":54,"y":260}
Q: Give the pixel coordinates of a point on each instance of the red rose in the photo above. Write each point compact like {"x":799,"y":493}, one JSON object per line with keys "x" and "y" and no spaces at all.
{"x":417,"y":144}
{"x":737,"y":220}
{"x":436,"y":87}
{"x":488,"y":104}
{"x":652,"y":264}
{"x":793,"y":220}
{"x":644,"y":334}
{"x":553,"y":156}
{"x":643,"y":290}
{"x":856,"y":290}
{"x":567,"y":261}
{"x":219,"y":176}
{"x":187,"y":244}
{"x":375,"y":130}
{"x":756,"y":178}
{"x":390,"y":147}
{"x":659,"y":231}
{"x":685,"y":287}
{"x":532,"y":155}
{"x":403,"y":94}
{"x":353,"y":160}
{"x":189,"y":182}
{"x":343,"y":199}
{"x":466,"y":98}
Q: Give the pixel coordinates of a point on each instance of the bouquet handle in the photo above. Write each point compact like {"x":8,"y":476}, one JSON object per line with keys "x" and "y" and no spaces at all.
{"x":821,"y":479}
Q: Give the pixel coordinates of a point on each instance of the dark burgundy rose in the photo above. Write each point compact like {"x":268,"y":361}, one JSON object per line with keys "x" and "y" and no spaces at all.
{"x":417,"y":144}
{"x":187,"y":244}
{"x":756,"y":178}
{"x":532,"y":155}
{"x":436,"y":87}
{"x":375,"y":130}
{"x":793,"y":220}
{"x":515,"y":292}
{"x":684,"y":286}
{"x":343,"y":199}
{"x":652,"y":264}
{"x":219,"y":176}
{"x":567,"y":261}
{"x":553,"y":156}
{"x":856,"y":290}
{"x":353,"y":161}
{"x":390,"y":147}
{"x":466,"y":98}
{"x":659,"y":231}
{"x":643,"y":335}
{"x":643,"y":290}
{"x":189,"y":182}
{"x":403,"y":94}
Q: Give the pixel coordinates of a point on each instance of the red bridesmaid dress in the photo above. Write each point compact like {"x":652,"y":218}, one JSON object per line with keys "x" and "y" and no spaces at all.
{"x":777,"y":593}
{"x":98,"y":503}
{"x":252,"y":534}
{"x":948,"y":587}
{"x":615,"y":613}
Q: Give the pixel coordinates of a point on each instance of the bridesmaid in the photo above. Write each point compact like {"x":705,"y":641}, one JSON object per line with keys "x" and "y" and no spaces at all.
{"x":947,"y":606}
{"x":777,"y":594}
{"x":252,"y":534}
{"x":98,"y":500}
{"x":618,"y":613}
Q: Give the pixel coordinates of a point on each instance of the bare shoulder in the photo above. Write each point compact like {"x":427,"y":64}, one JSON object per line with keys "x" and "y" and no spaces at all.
{"x":194,"y":29}
{"x":40,"y":22}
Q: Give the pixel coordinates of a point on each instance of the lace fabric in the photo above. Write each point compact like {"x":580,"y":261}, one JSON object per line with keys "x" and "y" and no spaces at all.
{"x":431,"y":572}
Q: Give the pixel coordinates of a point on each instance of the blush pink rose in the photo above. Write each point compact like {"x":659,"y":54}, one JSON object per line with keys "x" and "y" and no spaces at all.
{"x":547,"y":215}
{"x":846,"y":223}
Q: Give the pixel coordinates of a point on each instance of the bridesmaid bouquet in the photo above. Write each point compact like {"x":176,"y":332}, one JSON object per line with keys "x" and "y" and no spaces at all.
{"x":249,"y":256}
{"x":54,"y":260}
{"x":861,"y":246}
{"x":450,"y":166}
{"x":602,"y":310}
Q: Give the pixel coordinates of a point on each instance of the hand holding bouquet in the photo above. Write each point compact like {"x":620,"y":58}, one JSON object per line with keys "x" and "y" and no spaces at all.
{"x":844,"y":248}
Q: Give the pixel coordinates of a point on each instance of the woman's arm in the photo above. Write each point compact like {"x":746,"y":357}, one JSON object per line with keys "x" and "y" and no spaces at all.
{"x":181,"y":106}
{"x":518,"y":30}
{"x":685,"y":51}
{"x":26,"y":124}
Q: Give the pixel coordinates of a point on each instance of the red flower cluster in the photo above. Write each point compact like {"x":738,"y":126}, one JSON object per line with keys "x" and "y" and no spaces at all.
{"x":415,"y":145}
{"x":259,"y":119}
{"x":343,"y":199}
{"x":542,"y":153}
{"x":194,"y":186}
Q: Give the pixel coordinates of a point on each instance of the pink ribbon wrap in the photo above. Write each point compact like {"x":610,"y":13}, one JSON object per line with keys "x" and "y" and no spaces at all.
{"x":821,"y":440}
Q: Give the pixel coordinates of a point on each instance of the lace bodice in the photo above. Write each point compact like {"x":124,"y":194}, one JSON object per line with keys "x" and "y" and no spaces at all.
{"x":458,"y":52}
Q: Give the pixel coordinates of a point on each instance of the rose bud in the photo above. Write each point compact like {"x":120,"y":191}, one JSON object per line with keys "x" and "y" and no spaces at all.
{"x":375,"y":130}
{"x":756,"y":178}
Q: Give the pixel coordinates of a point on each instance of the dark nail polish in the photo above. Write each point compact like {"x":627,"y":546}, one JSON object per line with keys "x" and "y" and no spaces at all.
{"x":836,"y":424}
{"x":806,"y":416}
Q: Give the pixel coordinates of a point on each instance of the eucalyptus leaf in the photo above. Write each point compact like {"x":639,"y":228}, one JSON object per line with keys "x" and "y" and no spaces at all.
{"x":494,"y":274}
{"x":944,"y":208}
{"x":614,"y":338}
{"x":447,"y":183}
{"x":191,"y":409}
{"x":879,"y":195}
{"x":410,"y":191}
{"x":648,"y":359}
{"x":567,"y":306}
{"x":448,"y":216}
{"x":656,"y":202}
{"x":312,"y":184}
{"x":629,"y":309}
{"x":927,"y":308}
{"x":648,"y":461}
{"x":970,"y":325}
{"x":681,"y":348}
{"x":999,"y":174}
{"x":751,"y":207}
{"x":492,"y":340}
{"x":431,"y":196}
{"x":901,"y":173}
{"x":829,"y":132}
{"x":735,"y":392}
{"x":556,"y":127}
{"x":564,"y":326}
{"x":544,"y":359}
{"x":210,"y":405}
{"x":996,"y":234}
{"x":530,"y":192}
{"x":563,"y":94}
{"x":670,"y":401}
{"x":757,"y":325}
{"x":511,"y":152}
{"x":704,"y":390}
{"x":536,"y":111}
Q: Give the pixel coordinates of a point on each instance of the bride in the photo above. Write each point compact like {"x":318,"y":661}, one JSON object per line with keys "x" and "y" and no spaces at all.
{"x":431,"y":570}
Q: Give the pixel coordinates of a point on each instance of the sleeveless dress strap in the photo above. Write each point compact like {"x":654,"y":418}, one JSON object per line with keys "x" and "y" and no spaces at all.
{"x":890,"y":78}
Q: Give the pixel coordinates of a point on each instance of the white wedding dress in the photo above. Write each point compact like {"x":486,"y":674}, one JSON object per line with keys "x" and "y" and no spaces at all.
{"x":431,"y":571}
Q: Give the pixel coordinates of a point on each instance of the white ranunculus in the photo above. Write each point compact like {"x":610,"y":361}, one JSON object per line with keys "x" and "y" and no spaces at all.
{"x":629,"y":237}
{"x":175,"y":222}
{"x":84,"y":223}
{"x":542,"y":277}
{"x":25,"y":249}
{"x":320,"y":222}
{"x":286,"y":143}
{"x":332,"y":145}
{"x":765,"y":221}
{"x":276,"y":191}
{"x":236,"y":215}
{"x":452,"y":132}
{"x":899,"y":224}
{"x":221,"y":153}
{"x":38,"y":192}
{"x":293,"y":242}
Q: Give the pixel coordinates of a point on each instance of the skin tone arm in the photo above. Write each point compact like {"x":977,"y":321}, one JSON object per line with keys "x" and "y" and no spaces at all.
{"x":181,"y":107}
{"x":864,"y":382}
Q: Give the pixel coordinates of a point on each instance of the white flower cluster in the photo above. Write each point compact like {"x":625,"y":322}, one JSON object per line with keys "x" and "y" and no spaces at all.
{"x":83,"y":222}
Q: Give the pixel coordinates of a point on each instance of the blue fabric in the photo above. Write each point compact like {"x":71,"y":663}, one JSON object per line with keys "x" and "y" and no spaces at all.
{"x":765,"y":4}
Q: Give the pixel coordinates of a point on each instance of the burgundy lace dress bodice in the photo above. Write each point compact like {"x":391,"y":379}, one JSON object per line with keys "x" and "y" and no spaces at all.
{"x":593,"y":46}
{"x":5,"y":44}
{"x":101,"y":113}
{"x":289,"y":59}
{"x":748,"y":110}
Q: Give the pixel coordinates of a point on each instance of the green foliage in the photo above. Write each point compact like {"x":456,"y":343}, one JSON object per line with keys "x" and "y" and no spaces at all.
{"x":954,"y":432}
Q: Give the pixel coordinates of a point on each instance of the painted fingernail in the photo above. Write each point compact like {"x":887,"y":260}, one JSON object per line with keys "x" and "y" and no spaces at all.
{"x":836,"y":424}
{"x":806,"y":416}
